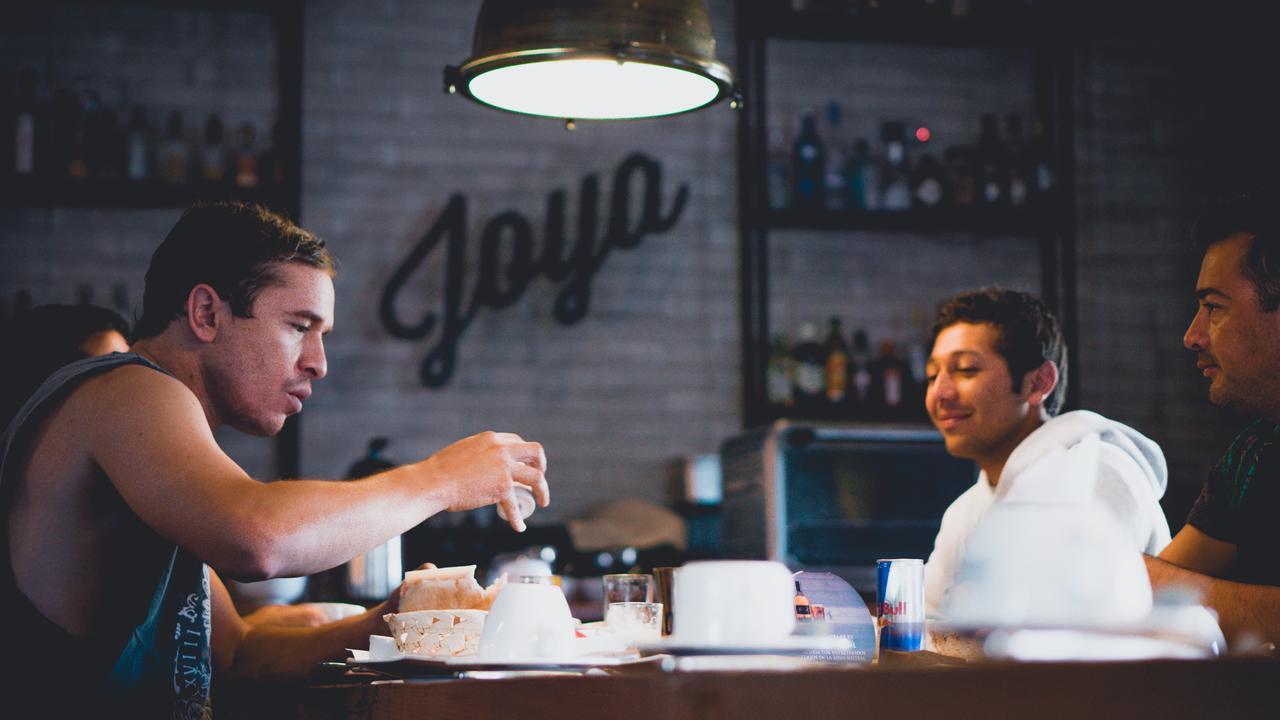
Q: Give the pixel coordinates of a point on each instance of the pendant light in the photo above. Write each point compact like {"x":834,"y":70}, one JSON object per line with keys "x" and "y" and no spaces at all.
{"x":593,"y":59}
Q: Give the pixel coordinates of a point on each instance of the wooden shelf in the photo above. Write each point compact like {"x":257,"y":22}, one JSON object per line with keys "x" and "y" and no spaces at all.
{"x":24,"y":192}
{"x":1017,"y":27}
{"x":966,"y":220}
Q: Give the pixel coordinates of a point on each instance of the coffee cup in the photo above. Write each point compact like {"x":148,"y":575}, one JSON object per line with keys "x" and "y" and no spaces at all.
{"x":733,"y":602}
{"x":528,"y":621}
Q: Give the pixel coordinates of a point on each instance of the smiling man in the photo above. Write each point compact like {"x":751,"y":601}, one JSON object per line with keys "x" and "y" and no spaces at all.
{"x":1227,"y":549}
{"x":120,"y":509}
{"x":996,"y":380}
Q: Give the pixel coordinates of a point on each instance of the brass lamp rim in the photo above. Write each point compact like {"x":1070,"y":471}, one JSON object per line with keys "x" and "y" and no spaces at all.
{"x":458,"y":79}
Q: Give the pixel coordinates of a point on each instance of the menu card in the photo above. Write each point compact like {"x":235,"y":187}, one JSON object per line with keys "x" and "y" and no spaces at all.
{"x":835,"y":603}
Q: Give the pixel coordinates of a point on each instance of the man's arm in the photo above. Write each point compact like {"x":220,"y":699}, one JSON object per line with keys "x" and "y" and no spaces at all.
{"x":1194,"y":550}
{"x":150,"y":436}
{"x":279,"y":651}
{"x":1241,"y":607}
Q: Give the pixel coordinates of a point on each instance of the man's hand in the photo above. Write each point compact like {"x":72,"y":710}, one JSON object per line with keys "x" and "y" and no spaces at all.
{"x":484,"y":469}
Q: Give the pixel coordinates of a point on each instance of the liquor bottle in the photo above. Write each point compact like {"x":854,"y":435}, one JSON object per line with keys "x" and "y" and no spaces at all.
{"x":960,"y":176}
{"x":860,"y":372}
{"x":85,"y":110}
{"x":833,"y":177}
{"x":890,"y":376}
{"x":808,"y":160}
{"x":836,"y":366}
{"x":25,"y":124}
{"x":929,"y":189}
{"x":213,"y":159}
{"x":173,"y":151}
{"x":778,"y":374}
{"x":778,"y":170}
{"x":106,"y":145}
{"x":809,"y":371}
{"x":894,"y":184}
{"x":804,"y":610}
{"x":138,"y":162}
{"x":993,"y":180}
{"x":862,"y":178}
{"x":245,"y":162}
{"x":1020,"y":172}
{"x":1041,"y":162}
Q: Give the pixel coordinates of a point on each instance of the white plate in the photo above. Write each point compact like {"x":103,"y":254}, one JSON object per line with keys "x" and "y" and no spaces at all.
{"x":790,"y":645}
{"x":362,"y":657}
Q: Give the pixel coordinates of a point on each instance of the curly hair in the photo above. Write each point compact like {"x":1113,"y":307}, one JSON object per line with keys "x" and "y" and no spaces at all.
{"x":1029,"y":333}
{"x":234,"y":248}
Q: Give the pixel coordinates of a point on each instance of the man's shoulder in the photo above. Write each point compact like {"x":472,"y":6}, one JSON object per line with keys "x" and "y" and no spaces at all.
{"x":127,"y":387}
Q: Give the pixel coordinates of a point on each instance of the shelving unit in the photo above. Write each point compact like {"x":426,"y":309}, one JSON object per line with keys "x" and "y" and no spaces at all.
{"x":286,"y":20}
{"x":1035,"y":28}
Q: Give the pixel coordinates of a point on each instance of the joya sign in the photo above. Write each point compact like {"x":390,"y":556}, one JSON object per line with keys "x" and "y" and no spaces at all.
{"x":500,"y":283}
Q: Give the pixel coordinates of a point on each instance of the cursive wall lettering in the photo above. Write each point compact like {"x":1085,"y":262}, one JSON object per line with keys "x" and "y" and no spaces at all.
{"x":500,"y":283}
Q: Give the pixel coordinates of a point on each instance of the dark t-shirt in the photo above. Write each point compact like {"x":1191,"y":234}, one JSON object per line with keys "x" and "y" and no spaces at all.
{"x":1240,"y":503}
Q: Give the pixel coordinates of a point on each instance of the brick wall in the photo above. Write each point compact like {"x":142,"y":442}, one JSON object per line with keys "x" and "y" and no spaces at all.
{"x":652,"y":372}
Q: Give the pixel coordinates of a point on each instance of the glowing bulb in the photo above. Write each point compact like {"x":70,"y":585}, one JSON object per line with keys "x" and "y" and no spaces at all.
{"x":593,"y":89}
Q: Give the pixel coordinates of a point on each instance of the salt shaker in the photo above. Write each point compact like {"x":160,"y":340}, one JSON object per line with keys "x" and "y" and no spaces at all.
{"x":524,"y":501}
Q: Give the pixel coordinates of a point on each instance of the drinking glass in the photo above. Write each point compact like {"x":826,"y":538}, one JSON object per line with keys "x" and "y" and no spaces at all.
{"x":627,"y":587}
{"x":635,"y":621}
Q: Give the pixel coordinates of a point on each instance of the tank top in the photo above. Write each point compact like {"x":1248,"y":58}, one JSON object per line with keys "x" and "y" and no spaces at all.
{"x":157,"y":663}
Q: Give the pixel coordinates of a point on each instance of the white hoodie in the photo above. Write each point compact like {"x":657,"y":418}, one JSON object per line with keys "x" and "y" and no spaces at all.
{"x":1078,"y":456}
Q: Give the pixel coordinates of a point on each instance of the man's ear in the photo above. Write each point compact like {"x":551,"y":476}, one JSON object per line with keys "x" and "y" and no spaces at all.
{"x":204,"y":312}
{"x":1039,"y":383}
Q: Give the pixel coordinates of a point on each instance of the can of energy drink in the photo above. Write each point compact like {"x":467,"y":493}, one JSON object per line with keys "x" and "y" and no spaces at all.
{"x":900,"y":597}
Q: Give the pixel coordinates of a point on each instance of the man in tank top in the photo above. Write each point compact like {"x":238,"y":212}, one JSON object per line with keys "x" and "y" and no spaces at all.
{"x":121,"y":511}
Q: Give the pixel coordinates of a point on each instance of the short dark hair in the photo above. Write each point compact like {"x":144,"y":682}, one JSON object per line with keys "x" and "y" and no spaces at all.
{"x":1029,"y":333}
{"x":1254,"y":214}
{"x":41,"y":340}
{"x":234,"y":248}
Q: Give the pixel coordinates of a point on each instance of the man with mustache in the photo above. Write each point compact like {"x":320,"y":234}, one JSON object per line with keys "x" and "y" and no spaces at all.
{"x":120,"y":509}
{"x":996,"y":380}
{"x":1227,"y":549}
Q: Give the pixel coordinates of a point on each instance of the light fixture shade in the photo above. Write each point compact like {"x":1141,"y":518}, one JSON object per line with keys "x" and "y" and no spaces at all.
{"x":593,"y":59}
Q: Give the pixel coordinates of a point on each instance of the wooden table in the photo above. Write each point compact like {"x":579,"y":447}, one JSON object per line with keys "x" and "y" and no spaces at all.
{"x":1227,"y":688}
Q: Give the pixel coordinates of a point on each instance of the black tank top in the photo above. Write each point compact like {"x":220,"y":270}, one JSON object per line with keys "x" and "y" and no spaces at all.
{"x":154,"y":663}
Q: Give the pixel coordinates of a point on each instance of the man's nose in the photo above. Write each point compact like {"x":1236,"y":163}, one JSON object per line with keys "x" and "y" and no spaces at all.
{"x":1195,"y":338}
{"x":313,"y":360}
{"x":943,"y":388}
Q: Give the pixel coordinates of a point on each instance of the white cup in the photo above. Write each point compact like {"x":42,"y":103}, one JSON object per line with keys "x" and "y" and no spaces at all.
{"x":733,"y":602}
{"x":528,"y":621}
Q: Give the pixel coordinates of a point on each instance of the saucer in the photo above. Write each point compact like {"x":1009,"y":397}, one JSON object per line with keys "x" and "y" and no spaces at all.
{"x":789,"y":645}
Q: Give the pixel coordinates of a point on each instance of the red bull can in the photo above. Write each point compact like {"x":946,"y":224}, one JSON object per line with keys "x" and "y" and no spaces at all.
{"x":900,"y":597}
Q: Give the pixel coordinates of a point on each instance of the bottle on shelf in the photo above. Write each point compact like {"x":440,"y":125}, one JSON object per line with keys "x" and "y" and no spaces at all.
{"x":833,"y":176}
{"x":862,"y":180}
{"x":138,"y":161}
{"x":960,"y":176}
{"x":993,"y":179}
{"x":778,"y":374}
{"x":860,"y":373}
{"x":245,"y":162}
{"x":173,"y":151}
{"x":213,"y":158}
{"x":106,"y":144}
{"x":804,"y":610}
{"x":1041,"y":162}
{"x":808,"y":372}
{"x":929,"y":186}
{"x":1020,"y":171}
{"x":895,"y":186}
{"x":778,"y":171}
{"x":808,"y":161}
{"x":25,"y":124}
{"x":83,"y":108}
{"x":836,"y":367}
{"x":890,"y":377}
